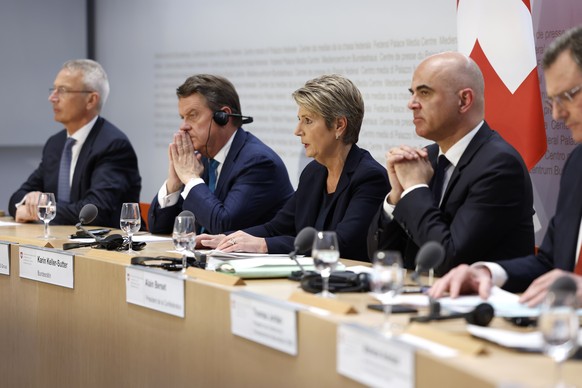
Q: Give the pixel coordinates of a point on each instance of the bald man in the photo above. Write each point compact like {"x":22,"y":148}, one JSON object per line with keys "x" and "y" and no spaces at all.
{"x":478,"y":202}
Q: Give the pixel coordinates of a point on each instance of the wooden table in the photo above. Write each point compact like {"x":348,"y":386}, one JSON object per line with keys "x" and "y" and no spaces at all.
{"x":90,"y":336}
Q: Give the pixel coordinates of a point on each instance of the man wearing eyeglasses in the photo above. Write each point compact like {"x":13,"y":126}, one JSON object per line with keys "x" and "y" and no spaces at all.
{"x":560,"y":253}
{"x":90,"y":161}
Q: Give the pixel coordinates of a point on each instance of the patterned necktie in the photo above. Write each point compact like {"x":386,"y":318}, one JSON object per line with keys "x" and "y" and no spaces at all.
{"x":212,"y":169}
{"x":439,"y":179}
{"x":64,"y":193}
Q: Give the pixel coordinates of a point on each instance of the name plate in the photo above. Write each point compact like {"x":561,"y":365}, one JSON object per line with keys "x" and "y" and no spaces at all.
{"x":267,"y":321}
{"x":370,"y":358}
{"x":156,"y":290}
{"x":47,"y":265}
{"x":4,"y":258}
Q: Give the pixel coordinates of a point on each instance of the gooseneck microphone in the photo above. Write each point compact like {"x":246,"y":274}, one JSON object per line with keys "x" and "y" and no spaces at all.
{"x":430,"y":255}
{"x":303,"y":242}
{"x":564,"y":284}
{"x":481,"y":315}
{"x":87,"y":214}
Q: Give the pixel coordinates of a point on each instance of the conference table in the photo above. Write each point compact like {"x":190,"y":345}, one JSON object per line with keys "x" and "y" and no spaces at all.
{"x":89,"y":335}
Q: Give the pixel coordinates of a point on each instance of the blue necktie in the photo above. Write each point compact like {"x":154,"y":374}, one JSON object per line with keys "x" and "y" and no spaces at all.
{"x":439,"y":179}
{"x":212,"y":170}
{"x":64,"y":193}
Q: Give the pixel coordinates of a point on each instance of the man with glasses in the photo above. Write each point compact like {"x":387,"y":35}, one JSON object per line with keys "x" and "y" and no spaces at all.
{"x":560,"y":253}
{"x":470,"y":190}
{"x":89,"y":161}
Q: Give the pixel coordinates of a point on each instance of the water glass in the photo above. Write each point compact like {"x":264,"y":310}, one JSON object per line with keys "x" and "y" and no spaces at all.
{"x":386,"y":282}
{"x":559,"y":326}
{"x":46,"y":210}
{"x":130,"y":222}
{"x":184,"y":237}
{"x":325,"y":255}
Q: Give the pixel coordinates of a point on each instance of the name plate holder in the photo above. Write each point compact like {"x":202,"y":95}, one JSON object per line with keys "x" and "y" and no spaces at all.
{"x":373,"y":359}
{"x":155,"y":289}
{"x":5,"y":258}
{"x":267,"y":321}
{"x":46,"y":265}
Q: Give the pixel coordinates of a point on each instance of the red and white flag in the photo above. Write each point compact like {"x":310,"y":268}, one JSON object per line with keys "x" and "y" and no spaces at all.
{"x":498,"y":35}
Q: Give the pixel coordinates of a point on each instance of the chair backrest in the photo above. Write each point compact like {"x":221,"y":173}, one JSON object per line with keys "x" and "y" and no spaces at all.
{"x":144,"y":208}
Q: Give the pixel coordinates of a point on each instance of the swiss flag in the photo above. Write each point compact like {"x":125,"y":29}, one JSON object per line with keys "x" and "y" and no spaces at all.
{"x":498,"y":35}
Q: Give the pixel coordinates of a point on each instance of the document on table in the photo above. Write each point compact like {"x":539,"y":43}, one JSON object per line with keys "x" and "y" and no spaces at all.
{"x":527,"y":341}
{"x":9,"y":223}
{"x":504,"y":303}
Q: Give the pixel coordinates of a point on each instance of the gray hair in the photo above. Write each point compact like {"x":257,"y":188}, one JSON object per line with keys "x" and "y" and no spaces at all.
{"x":94,"y":77}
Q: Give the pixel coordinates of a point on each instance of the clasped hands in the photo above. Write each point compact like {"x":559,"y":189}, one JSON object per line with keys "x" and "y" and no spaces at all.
{"x":184,"y":163}
{"x":407,"y":167}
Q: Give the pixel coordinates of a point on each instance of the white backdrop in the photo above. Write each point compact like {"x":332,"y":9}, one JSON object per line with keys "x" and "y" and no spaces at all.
{"x":268,"y":49}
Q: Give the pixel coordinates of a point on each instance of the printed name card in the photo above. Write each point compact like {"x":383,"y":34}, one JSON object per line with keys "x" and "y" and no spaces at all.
{"x":267,"y":321}
{"x":368,"y":357}
{"x":156,"y":290}
{"x":47,"y":265}
{"x":4,"y":258}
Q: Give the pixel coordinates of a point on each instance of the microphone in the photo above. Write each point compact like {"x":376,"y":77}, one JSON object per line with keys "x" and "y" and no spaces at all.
{"x":87,"y":214}
{"x":481,"y":315}
{"x":564,"y":284}
{"x":303,"y":242}
{"x":430,"y":255}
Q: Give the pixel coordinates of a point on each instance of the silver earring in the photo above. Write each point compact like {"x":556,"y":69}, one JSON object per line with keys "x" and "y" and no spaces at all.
{"x":336,"y":136}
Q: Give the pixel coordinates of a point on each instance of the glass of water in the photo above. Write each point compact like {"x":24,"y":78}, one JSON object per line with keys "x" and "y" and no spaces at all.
{"x":325,"y":254}
{"x":559,"y":325}
{"x":46,"y":210}
{"x":130,"y":222}
{"x":184,"y":237}
{"x":386,"y":282}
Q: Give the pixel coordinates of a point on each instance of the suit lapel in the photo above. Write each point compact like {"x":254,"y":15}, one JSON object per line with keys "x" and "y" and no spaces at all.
{"x":480,"y":138}
{"x":352,"y":162}
{"x":84,"y":154}
{"x":229,"y":162}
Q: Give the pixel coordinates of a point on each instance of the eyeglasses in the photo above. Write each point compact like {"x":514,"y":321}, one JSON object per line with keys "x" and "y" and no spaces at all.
{"x":561,"y":98}
{"x":61,"y":91}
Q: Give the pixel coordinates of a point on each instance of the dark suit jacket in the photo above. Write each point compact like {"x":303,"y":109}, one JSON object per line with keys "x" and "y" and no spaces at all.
{"x":253,"y":185}
{"x":106,"y":175}
{"x":486,"y":212}
{"x":362,"y":186}
{"x":558,"y":249}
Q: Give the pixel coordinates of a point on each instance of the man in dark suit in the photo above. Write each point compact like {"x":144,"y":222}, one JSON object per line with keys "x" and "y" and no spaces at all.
{"x":559,"y":253}
{"x":478,"y":203}
{"x":101,"y":167}
{"x":227,"y":177}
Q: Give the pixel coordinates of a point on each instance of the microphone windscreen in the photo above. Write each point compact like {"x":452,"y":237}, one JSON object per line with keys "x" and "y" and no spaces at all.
{"x":304,"y":239}
{"x":564,"y":284}
{"x":430,"y":255}
{"x":186,"y":213}
{"x":482,"y":315}
{"x":88,"y":213}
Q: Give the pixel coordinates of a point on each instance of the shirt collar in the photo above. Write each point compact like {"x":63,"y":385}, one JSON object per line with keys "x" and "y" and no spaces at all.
{"x":456,"y":151}
{"x":221,"y":155}
{"x":82,"y":134}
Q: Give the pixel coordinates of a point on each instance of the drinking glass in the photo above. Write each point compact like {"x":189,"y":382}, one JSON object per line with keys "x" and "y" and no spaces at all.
{"x":386,"y":282}
{"x":46,"y":210}
{"x":184,"y":237}
{"x":559,"y":324}
{"x":325,"y":255}
{"x":130,"y":222}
